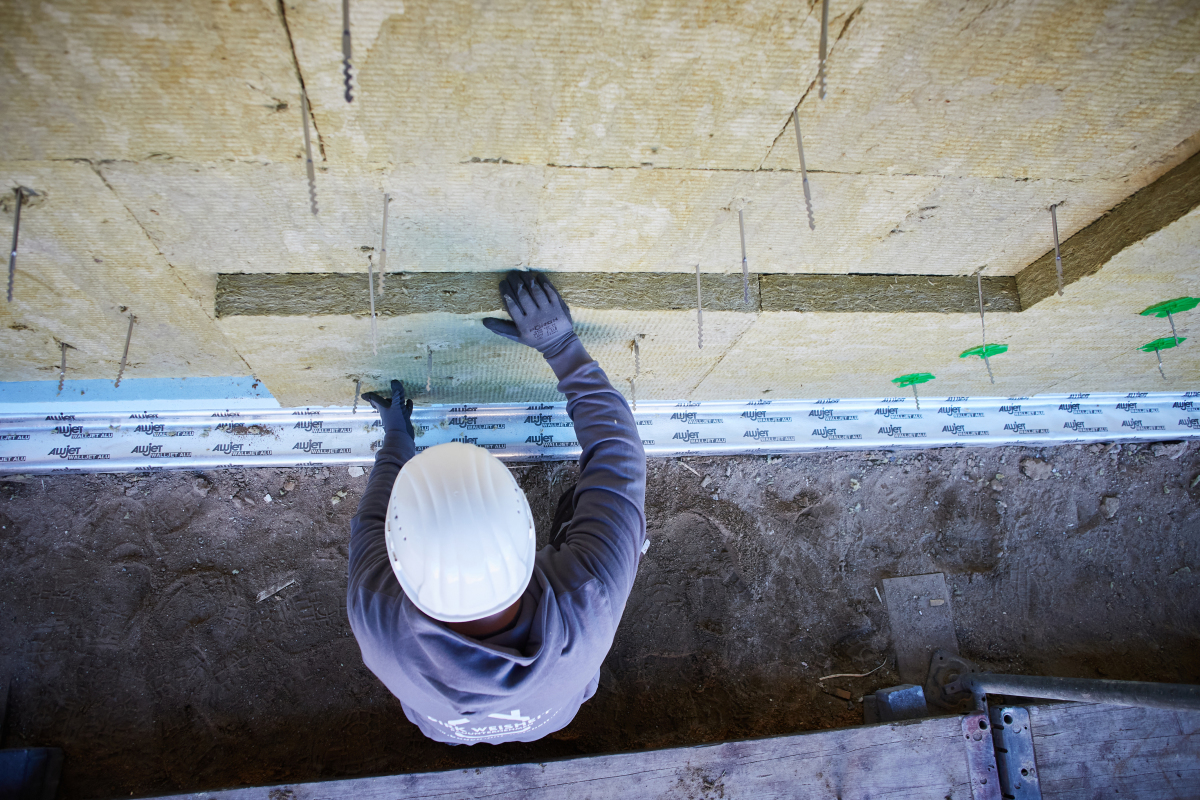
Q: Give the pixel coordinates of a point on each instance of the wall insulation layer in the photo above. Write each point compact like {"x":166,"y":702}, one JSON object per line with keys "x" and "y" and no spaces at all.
{"x":165,"y":146}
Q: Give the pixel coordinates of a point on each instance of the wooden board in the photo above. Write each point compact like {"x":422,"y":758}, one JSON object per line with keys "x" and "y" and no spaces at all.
{"x":911,"y":760}
{"x":1082,"y":751}
{"x":921,"y":621}
{"x":1089,"y":751}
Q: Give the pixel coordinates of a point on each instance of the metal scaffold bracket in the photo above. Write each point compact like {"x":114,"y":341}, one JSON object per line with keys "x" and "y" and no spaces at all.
{"x":981,"y":758}
{"x":1015,"y":763}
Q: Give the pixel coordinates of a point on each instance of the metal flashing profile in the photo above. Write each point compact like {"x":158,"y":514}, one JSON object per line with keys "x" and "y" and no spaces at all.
{"x":43,"y":440}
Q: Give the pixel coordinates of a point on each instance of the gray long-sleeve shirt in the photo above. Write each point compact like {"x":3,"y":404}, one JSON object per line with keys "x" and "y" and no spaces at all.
{"x":530,"y":679}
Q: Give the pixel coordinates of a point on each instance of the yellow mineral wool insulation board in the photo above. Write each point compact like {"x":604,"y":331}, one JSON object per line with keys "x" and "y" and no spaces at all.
{"x":470,"y":363}
{"x":83,"y":265}
{"x":142,"y":79}
{"x":214,"y":218}
{"x":1086,"y":340}
{"x":1066,"y":90}
{"x":587,"y":84}
{"x":485,"y":217}
{"x":1062,"y":90}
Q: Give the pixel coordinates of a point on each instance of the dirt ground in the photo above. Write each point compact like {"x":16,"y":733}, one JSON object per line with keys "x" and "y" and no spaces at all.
{"x":134,"y":641}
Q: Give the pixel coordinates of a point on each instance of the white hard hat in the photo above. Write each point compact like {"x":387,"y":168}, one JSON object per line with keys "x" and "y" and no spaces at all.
{"x":459,"y":532}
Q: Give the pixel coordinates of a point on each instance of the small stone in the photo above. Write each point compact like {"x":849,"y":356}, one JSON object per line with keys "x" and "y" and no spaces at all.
{"x":289,"y":485}
{"x":131,"y":491}
{"x":1166,"y":490}
{"x":201,"y":486}
{"x":936,"y":603}
{"x":1183,"y":571}
{"x":707,"y":480}
{"x":999,"y":476}
{"x":333,"y":501}
{"x":356,"y":472}
{"x":237,"y":502}
{"x":267,"y":498}
{"x":855,"y":485}
{"x":716,"y":497}
{"x":997,"y":486}
{"x":1172,"y":450}
{"x":235,"y":572}
{"x":1109,"y":507}
{"x":1036,"y":469}
{"x":340,"y":494}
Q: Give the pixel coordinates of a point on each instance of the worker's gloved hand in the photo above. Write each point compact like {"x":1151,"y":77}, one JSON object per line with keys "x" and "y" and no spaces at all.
{"x":540,"y":318}
{"x":395,"y":411}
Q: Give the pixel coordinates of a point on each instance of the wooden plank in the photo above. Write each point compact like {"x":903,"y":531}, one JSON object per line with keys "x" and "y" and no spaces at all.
{"x":1143,"y":213}
{"x":910,"y":760}
{"x":921,"y":622}
{"x":1090,"y":751}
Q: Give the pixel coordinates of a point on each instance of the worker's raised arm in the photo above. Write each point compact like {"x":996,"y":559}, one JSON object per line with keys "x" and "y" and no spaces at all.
{"x":369,"y":566}
{"x":609,"y":522}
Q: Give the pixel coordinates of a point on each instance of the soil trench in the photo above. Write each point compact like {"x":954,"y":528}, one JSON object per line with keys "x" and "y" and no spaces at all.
{"x":134,"y":639}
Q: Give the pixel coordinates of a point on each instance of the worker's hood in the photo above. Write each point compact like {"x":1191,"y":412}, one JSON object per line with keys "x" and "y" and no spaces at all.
{"x":513,"y":684}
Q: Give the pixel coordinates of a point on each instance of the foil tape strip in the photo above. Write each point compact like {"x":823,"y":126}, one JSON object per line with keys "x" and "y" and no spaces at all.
{"x":158,"y":440}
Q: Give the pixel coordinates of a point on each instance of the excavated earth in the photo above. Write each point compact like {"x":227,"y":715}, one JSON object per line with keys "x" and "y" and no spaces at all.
{"x":134,"y":639}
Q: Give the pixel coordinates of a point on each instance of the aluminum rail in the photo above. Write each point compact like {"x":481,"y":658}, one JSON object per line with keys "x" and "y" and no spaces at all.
{"x":47,"y":438}
{"x":1174,"y":696}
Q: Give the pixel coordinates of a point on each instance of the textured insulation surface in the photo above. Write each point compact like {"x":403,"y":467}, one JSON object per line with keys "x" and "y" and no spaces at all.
{"x":318,"y":294}
{"x":166,"y":141}
{"x":1084,"y":341}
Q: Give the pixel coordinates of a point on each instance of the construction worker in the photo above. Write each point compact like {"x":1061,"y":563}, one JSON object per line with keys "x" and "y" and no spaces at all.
{"x":482,"y":637}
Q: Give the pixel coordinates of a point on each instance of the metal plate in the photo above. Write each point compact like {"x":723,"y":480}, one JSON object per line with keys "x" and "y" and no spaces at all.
{"x":1014,"y":753}
{"x":981,"y":757}
{"x":944,"y":669}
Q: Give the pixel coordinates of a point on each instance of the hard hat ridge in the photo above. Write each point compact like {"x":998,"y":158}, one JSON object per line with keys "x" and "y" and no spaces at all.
{"x":460,"y":533}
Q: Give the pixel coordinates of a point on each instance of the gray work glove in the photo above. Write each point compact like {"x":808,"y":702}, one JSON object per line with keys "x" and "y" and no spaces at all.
{"x":395,"y":412}
{"x":540,"y":318}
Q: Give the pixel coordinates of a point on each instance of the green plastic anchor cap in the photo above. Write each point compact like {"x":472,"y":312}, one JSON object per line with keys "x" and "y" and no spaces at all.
{"x":1165,"y":343}
{"x":1172,"y":306}
{"x":912,"y":378}
{"x":985,"y":351}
